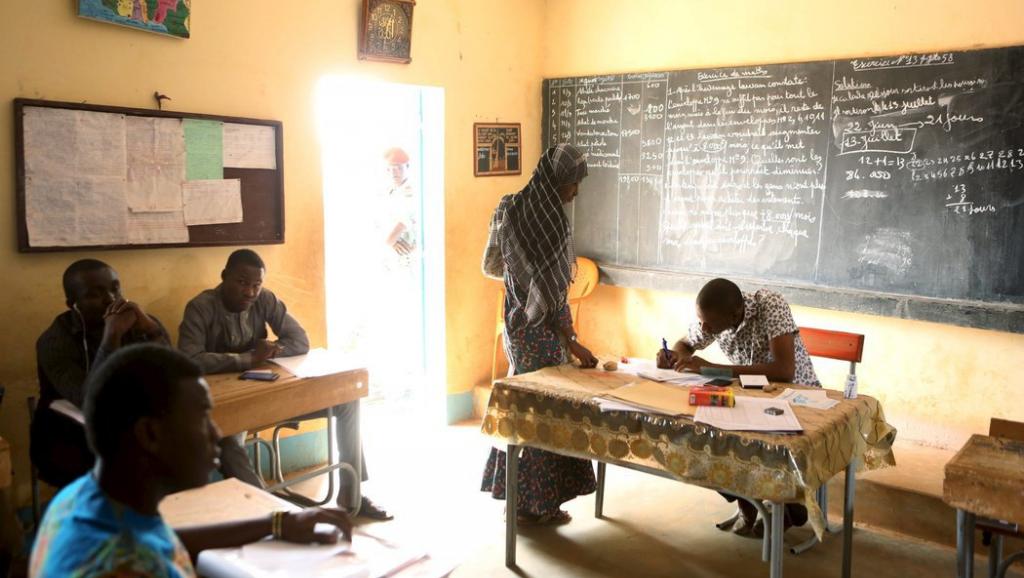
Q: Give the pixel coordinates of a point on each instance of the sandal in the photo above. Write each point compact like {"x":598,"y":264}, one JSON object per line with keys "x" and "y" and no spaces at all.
{"x":556,"y":518}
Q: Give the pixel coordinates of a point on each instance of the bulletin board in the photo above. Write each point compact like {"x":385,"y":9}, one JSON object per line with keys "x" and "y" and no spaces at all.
{"x":104,"y":177}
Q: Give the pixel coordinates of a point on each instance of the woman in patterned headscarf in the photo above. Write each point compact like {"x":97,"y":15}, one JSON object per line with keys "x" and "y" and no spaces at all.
{"x":530,"y":248}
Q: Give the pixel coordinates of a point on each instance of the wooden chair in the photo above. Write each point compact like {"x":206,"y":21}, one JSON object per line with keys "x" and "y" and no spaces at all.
{"x":841,"y":346}
{"x":583,"y":285}
{"x":993,"y":531}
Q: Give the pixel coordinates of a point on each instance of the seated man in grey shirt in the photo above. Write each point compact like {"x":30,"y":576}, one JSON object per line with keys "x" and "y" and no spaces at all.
{"x":225,"y":330}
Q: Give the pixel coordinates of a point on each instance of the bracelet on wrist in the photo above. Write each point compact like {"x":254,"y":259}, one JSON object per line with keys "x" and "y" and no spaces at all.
{"x":277,"y":524}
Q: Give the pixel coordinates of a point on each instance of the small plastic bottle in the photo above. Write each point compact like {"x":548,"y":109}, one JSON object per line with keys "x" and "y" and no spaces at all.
{"x":850,"y":391}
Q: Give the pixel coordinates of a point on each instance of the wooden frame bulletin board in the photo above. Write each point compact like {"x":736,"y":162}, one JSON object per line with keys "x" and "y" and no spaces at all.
{"x":57,"y":190}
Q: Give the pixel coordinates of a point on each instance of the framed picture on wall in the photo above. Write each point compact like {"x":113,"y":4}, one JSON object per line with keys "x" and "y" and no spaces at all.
{"x":170,"y":17}
{"x":386,"y":30}
{"x":497,"y":149}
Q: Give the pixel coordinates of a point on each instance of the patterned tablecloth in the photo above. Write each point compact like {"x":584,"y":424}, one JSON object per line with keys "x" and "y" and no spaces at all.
{"x":552,"y":409}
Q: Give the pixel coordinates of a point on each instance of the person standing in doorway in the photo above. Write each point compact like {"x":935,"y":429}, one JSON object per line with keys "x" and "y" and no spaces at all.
{"x":400,"y":294}
{"x":530,"y":248}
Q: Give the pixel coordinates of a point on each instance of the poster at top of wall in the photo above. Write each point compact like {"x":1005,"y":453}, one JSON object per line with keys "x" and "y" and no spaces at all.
{"x":169,"y":17}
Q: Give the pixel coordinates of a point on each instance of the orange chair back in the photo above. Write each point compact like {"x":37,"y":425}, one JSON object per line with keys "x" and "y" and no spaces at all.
{"x":833,"y":344}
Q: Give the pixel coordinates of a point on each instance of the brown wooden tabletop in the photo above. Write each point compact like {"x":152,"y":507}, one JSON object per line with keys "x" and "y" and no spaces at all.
{"x":986,"y":477}
{"x":240,"y":405}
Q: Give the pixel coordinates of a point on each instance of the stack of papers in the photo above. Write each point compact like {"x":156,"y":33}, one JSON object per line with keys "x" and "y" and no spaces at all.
{"x":315,"y":363}
{"x":673,"y":376}
{"x":812,"y":398}
{"x":750,"y":414}
{"x":646,"y":397}
{"x":365,"y":557}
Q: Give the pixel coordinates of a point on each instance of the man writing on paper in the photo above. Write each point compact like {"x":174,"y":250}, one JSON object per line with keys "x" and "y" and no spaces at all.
{"x":147,"y":414}
{"x":99,"y":320}
{"x":757,"y":333}
{"x":225,"y":329}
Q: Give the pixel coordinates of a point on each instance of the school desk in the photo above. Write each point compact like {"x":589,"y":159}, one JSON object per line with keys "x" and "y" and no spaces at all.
{"x":231,"y":499}
{"x":985,"y":478}
{"x":241,"y":405}
{"x":553,"y":409}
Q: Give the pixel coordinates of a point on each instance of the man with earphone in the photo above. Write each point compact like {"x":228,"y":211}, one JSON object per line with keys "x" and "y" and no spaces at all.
{"x":98,"y":322}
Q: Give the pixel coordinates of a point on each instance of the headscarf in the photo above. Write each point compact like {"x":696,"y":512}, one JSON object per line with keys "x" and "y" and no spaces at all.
{"x":535,"y":236}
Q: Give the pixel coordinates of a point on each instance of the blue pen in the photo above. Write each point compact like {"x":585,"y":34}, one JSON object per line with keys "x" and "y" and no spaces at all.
{"x":664,"y":346}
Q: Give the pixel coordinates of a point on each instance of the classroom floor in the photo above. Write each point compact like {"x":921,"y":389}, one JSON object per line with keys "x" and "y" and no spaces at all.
{"x":429,"y":477}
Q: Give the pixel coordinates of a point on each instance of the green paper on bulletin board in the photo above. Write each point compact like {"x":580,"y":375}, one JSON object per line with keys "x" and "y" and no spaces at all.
{"x":204,"y":156}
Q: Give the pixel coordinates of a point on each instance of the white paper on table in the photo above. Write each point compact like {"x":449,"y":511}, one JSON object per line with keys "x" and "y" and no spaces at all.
{"x":156,"y":163}
{"x":366,"y":557}
{"x":212,"y":201}
{"x":605,"y":405}
{"x":157,"y":228}
{"x":755,"y":381}
{"x":62,"y":212}
{"x":636,"y":365}
{"x":749,"y":415}
{"x":317,"y":362}
{"x":249,"y":146}
{"x":673,"y":376}
{"x":812,"y":398}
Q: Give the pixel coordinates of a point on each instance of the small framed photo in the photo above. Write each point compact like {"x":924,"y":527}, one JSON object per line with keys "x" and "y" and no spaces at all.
{"x":385,"y":33}
{"x":497,"y":149}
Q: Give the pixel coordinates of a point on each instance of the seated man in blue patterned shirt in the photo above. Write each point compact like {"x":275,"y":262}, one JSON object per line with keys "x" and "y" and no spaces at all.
{"x":756,"y":331}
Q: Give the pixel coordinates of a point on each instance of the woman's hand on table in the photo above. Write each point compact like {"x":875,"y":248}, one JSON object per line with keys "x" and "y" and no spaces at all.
{"x":586,"y":358}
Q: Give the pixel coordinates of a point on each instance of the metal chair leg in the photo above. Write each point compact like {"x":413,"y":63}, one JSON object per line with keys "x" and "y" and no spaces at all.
{"x":995,"y":554}
{"x":599,"y":495}
{"x":275,"y":456}
{"x":822,"y":497}
{"x":1005,"y":564}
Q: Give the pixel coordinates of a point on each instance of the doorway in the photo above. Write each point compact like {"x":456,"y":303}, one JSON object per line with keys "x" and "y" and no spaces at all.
{"x":382,"y":163}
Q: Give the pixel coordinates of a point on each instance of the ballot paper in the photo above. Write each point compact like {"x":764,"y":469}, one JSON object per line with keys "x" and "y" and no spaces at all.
{"x":651,"y":397}
{"x":673,"y":376}
{"x":367,"y":556}
{"x":317,"y":362}
{"x":751,"y":414}
{"x":812,"y":398}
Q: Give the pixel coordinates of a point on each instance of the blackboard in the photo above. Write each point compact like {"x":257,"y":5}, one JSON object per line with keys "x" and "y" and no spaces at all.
{"x":259,"y":177}
{"x":889,"y":185}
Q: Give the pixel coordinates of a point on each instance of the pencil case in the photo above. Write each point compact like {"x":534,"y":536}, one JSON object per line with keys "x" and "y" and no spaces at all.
{"x":710,"y":395}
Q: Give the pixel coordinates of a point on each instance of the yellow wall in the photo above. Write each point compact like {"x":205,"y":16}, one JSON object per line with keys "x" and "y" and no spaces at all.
{"x":919,"y":370}
{"x":243,"y":60}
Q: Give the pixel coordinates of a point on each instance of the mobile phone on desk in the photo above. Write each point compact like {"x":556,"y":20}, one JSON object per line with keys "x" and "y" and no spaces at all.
{"x":259,"y":375}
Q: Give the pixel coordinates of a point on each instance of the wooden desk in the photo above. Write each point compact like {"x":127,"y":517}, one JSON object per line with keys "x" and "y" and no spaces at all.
{"x":553,"y":409}
{"x":240,"y":405}
{"x":231,"y":499}
{"x":985,"y":478}
{"x":218,"y":502}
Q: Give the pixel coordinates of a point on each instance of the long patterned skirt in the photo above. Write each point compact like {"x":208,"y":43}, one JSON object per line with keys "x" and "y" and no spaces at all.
{"x":546,"y":480}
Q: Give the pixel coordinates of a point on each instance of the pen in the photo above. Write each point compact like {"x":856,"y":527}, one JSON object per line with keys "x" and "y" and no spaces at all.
{"x":664,"y":346}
